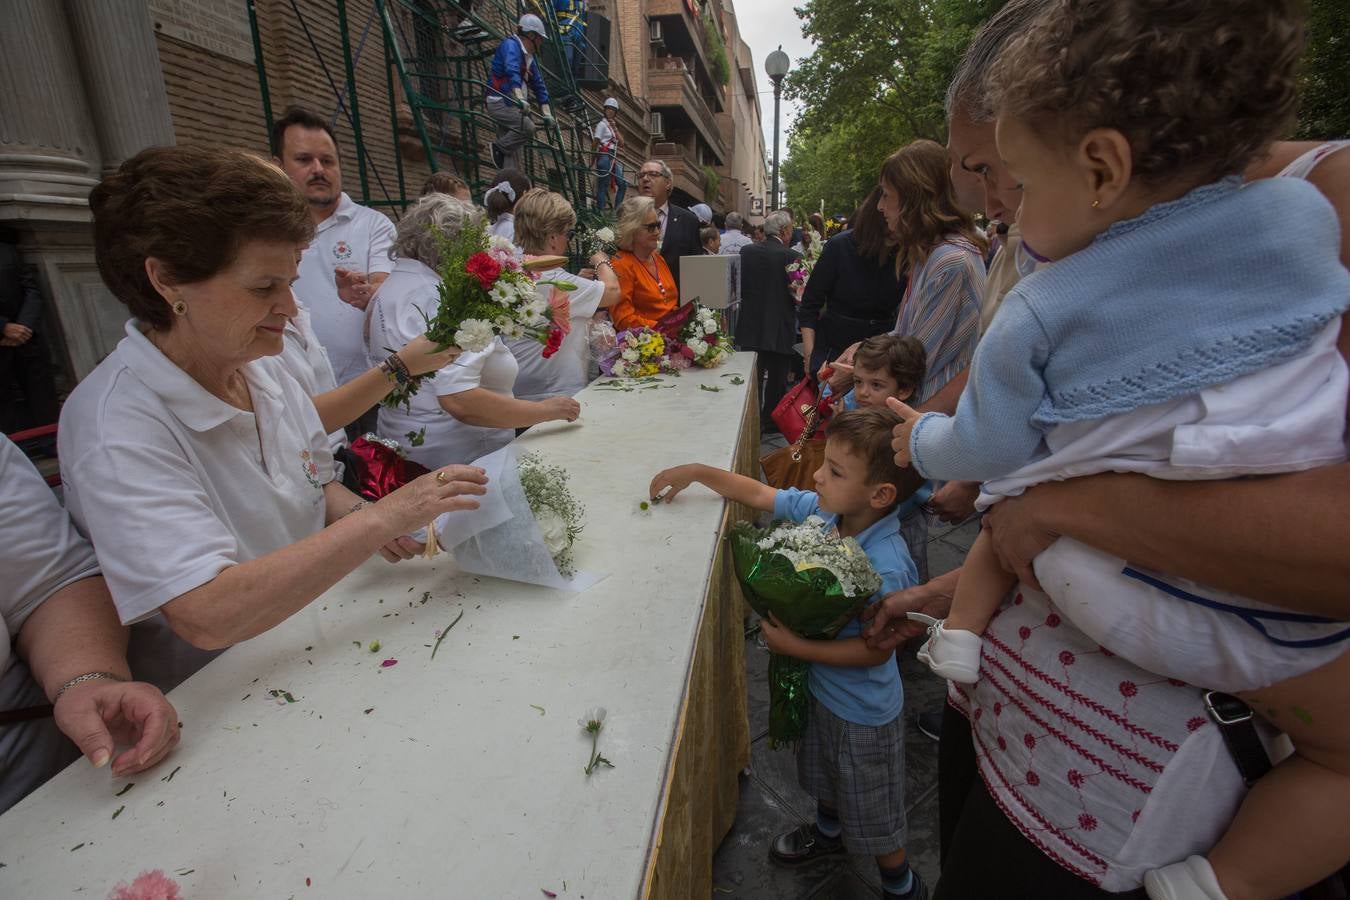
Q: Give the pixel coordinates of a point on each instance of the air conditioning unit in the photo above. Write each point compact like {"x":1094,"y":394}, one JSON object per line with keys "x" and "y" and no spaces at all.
{"x":658,"y":125}
{"x":654,"y":32}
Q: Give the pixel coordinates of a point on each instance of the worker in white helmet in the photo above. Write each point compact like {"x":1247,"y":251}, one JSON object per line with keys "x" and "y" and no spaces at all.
{"x":607,"y":166}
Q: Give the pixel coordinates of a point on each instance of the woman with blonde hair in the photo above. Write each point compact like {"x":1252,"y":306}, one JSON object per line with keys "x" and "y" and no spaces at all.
{"x":544,"y":226}
{"x":647,"y":289}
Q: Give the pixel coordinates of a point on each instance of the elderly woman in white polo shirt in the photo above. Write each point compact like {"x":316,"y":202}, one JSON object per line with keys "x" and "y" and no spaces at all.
{"x":194,"y":462}
{"x":467,"y":409}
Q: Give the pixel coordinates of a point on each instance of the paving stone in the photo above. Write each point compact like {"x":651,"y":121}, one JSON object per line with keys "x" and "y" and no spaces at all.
{"x":847,"y":884}
{"x":776,"y":770}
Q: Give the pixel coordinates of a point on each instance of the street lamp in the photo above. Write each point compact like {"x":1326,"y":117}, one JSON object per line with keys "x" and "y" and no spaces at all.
{"x":777,"y":65}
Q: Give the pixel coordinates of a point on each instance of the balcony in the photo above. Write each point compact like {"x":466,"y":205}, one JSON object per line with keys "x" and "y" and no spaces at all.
{"x":684,"y":37}
{"x":670,"y":85}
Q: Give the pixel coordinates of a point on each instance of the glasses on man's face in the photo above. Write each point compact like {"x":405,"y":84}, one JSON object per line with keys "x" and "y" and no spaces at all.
{"x":651,"y":175}
{"x":653,"y":227}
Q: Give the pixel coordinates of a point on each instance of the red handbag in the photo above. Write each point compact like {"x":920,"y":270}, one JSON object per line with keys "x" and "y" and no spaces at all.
{"x":802,"y":404}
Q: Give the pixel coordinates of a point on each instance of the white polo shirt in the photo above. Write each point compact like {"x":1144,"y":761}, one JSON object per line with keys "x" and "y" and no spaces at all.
{"x":353,"y":237}
{"x":173,"y":485}
{"x":396,"y":318}
{"x":565,"y":372}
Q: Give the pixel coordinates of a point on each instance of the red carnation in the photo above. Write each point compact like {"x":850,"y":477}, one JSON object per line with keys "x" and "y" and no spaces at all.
{"x":555,"y":339}
{"x":484,"y":268}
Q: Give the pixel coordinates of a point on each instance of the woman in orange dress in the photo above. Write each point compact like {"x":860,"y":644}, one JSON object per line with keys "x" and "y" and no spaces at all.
{"x":647,"y":290}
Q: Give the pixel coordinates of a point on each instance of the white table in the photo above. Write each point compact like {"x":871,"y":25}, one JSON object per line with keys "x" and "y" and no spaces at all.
{"x":458,"y":776}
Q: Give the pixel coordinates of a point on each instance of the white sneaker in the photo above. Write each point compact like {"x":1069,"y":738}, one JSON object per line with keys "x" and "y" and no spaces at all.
{"x":951,"y":653}
{"x":1191,"y":879}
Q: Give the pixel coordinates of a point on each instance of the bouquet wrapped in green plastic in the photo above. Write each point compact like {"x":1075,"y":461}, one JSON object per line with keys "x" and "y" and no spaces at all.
{"x":813,"y":582}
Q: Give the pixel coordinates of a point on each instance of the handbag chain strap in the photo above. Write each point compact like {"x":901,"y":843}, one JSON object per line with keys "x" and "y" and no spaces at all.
{"x":812,"y":418}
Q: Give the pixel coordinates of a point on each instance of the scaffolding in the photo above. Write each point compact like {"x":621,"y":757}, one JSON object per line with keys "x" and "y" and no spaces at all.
{"x":436,"y":66}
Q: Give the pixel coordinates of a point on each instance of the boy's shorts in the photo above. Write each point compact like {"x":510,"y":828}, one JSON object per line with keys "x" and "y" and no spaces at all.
{"x":860,"y":771}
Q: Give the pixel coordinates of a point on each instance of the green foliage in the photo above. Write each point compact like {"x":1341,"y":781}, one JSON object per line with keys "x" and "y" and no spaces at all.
{"x":1324,"y":107}
{"x":875,"y":82}
{"x":717,"y":51}
{"x":711,"y":182}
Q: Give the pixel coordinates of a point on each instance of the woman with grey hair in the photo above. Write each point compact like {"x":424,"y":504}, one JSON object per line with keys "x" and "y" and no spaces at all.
{"x":466,"y":409}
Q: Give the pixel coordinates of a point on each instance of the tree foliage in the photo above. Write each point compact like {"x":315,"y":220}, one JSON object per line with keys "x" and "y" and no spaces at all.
{"x":1324,"y":104}
{"x":875,"y":82}
{"x":878,"y":76}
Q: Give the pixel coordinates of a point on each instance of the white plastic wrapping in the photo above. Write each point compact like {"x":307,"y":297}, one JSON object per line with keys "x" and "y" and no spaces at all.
{"x":501,"y":538}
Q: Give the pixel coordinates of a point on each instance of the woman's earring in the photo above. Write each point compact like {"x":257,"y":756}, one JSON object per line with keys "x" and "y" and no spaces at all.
{"x":179,"y":308}
{"x":1096,"y":203}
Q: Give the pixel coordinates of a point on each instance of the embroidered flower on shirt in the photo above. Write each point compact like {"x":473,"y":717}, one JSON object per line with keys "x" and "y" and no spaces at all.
{"x":309,"y":468}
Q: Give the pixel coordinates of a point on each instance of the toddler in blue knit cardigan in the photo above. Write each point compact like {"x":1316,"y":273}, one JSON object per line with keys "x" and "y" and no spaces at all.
{"x":1145,"y":344}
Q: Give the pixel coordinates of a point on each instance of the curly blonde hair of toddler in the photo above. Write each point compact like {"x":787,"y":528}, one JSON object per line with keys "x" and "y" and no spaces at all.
{"x":1199,"y":88}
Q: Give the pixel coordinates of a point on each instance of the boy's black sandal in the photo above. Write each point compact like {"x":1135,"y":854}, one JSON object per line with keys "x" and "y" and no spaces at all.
{"x":802,"y":846}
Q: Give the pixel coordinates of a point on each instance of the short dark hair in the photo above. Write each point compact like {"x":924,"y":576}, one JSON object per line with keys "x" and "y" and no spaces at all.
{"x":900,"y":357}
{"x":192,"y":208}
{"x":867,"y":432}
{"x":305,"y":118}
{"x":1200,"y":89}
{"x":707,"y":233}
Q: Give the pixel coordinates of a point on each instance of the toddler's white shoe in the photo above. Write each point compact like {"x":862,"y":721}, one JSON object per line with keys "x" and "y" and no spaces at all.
{"x":951,"y":653}
{"x":1191,"y":879}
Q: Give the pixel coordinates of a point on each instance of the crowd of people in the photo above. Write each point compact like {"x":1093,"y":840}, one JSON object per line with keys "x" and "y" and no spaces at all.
{"x":1091,"y":372}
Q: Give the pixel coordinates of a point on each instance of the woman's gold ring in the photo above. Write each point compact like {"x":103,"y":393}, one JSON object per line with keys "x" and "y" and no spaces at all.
{"x":441,"y":477}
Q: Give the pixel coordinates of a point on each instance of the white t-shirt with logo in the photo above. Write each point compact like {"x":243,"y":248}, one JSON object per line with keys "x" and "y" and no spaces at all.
{"x":353,"y":237}
{"x":173,"y":485}
{"x":565,"y":373}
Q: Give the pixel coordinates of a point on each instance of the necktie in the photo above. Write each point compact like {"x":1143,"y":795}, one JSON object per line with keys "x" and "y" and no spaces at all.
{"x":661,"y":217}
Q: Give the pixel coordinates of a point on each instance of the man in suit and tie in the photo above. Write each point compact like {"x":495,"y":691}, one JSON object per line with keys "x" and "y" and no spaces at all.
{"x":679,"y":226}
{"x":767,"y":322}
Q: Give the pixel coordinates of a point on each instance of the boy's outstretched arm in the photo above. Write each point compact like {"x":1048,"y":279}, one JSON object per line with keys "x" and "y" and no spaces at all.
{"x":738,"y":488}
{"x":848,"y":652}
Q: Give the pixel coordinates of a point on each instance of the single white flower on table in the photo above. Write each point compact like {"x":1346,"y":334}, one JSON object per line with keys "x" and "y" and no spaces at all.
{"x":554,"y":529}
{"x":592,"y":723}
{"x":474,"y":335}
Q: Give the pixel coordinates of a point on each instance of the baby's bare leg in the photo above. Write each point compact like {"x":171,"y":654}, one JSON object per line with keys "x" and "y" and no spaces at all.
{"x":981,"y":589}
{"x":1293,"y":828}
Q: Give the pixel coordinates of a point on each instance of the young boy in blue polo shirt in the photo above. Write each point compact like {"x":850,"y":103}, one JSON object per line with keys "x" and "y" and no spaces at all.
{"x":852,"y":758}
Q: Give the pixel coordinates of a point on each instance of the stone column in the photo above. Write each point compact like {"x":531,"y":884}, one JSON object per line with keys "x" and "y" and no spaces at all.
{"x":115,"y":40}
{"x":49,"y":156}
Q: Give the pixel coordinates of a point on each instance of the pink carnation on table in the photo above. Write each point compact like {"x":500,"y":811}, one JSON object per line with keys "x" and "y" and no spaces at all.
{"x":679,"y":361}
{"x":152,"y":885}
{"x":562,"y":310}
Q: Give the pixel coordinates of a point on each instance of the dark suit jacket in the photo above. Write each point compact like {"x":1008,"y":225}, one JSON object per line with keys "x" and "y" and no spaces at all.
{"x":681,"y":239}
{"x":20,"y":299}
{"x":768,"y":317}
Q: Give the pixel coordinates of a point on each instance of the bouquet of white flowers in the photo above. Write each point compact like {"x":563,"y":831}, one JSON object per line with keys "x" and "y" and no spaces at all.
{"x":702,"y":334}
{"x":525,"y":526}
{"x":813,"y":582}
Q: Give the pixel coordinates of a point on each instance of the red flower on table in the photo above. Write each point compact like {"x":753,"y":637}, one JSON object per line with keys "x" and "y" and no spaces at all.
{"x":484,"y":268}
